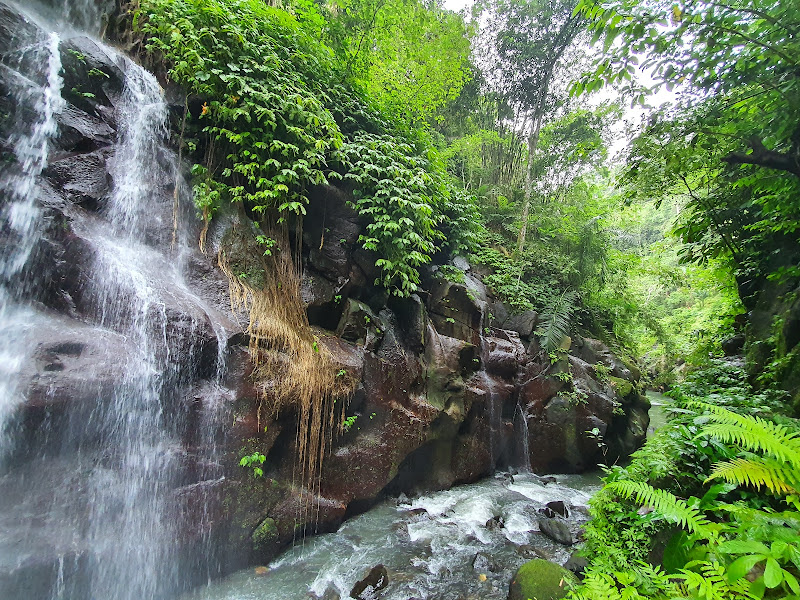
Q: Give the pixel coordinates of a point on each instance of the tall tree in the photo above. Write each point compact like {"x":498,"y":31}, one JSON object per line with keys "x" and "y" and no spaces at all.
{"x":733,"y":142}
{"x":528,"y":44}
{"x":410,"y":56}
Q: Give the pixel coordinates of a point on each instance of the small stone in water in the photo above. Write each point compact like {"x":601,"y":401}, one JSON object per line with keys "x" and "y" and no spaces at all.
{"x":261,"y":571}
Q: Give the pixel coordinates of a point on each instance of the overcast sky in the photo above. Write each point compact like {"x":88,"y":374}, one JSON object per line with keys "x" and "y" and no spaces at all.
{"x":456,"y":5}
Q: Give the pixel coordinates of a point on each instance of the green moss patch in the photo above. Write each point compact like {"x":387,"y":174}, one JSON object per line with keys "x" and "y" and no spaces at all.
{"x":541,"y":580}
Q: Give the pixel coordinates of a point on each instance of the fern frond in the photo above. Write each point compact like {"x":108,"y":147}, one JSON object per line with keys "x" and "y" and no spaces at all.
{"x":596,"y":586}
{"x":710,"y":583}
{"x":556,"y":320}
{"x":776,"y":477}
{"x":666,"y":504}
{"x":753,"y":434}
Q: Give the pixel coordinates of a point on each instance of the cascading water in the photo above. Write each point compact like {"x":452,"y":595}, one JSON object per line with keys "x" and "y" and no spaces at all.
{"x":20,"y":212}
{"x":524,"y":438}
{"x":436,"y":546}
{"x":118,"y":458}
{"x":129,"y":521}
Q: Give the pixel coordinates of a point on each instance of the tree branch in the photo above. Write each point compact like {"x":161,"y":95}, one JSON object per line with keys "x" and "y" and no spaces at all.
{"x":763,"y":157}
{"x":759,"y":13}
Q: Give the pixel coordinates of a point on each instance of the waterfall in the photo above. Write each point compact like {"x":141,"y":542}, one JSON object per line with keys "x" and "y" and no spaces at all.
{"x":130,"y":526}
{"x":524,"y":439}
{"x":139,"y":444}
{"x":20,"y":215}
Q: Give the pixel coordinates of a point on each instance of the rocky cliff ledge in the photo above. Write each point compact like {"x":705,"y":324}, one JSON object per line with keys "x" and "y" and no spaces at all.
{"x":446,"y":393}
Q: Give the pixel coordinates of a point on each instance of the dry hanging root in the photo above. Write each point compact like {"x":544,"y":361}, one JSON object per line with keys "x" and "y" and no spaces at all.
{"x":291,"y":366}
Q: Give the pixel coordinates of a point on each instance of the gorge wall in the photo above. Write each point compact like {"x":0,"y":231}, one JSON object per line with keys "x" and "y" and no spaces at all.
{"x":130,"y":399}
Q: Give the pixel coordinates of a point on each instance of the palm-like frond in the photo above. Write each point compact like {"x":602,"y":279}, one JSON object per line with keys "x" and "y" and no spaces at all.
{"x":710,"y":583}
{"x":666,"y":504}
{"x":556,"y":320}
{"x":758,"y":473}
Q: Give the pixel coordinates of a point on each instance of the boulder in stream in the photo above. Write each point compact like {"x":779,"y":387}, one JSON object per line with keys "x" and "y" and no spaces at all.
{"x":483,"y":563}
{"x":555,"y":508}
{"x":376,"y":580}
{"x":557,"y":530}
{"x":541,"y":579}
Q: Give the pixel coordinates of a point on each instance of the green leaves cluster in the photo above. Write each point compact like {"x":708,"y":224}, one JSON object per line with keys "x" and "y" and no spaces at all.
{"x":729,"y":146}
{"x":397,"y":191}
{"x":278,"y":120}
{"x":255,"y":462}
{"x":406,"y":199}
{"x":266,"y":112}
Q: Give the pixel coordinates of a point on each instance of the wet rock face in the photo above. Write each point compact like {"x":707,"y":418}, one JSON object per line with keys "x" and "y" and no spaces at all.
{"x":583,"y":410}
{"x":74,"y":360}
{"x":436,"y":407}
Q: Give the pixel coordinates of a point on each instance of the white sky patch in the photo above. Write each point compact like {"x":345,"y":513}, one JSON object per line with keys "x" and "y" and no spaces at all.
{"x":457,"y":5}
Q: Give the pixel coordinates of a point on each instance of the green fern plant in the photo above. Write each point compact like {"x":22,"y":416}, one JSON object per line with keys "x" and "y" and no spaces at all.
{"x":557,"y":319}
{"x":666,"y":504}
{"x":642,"y":582}
{"x":708,"y":580}
{"x":772,"y":451}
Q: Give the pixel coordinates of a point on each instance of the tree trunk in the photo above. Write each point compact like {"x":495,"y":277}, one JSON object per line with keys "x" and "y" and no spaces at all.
{"x":533,"y":141}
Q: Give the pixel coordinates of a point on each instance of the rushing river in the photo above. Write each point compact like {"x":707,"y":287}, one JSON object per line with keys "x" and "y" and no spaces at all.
{"x":437,"y":546}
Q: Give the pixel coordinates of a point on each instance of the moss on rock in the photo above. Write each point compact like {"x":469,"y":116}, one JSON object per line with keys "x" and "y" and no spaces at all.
{"x":623,"y":387}
{"x":265,"y":536}
{"x":541,"y":579}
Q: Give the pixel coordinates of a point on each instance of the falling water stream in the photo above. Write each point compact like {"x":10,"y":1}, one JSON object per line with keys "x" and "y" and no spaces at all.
{"x":20,"y":214}
{"x":118,"y":463}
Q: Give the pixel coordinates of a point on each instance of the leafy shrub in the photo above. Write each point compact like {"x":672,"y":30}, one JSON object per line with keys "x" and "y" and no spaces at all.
{"x":274,"y":115}
{"x":266,"y":111}
{"x":729,"y":541}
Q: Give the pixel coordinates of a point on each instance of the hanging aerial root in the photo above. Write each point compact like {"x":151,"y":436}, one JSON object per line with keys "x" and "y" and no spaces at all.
{"x":291,"y":367}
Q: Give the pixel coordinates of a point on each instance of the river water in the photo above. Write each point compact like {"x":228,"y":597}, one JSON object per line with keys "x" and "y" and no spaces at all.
{"x":659,"y":405}
{"x":436,"y":546}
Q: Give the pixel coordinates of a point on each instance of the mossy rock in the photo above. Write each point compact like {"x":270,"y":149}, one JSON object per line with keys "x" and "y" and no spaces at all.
{"x":265,"y":536}
{"x":541,"y":579}
{"x":623,"y":387}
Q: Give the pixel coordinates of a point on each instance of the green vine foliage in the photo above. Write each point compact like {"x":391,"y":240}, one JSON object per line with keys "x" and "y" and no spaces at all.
{"x":724,"y":541}
{"x":266,"y":111}
{"x":399,"y":194}
{"x":279,"y":120}
{"x":406,"y":196}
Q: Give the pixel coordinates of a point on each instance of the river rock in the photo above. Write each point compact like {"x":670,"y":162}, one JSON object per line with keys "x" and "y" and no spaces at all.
{"x":455,"y":311}
{"x":556,"y":507}
{"x":576,"y":563}
{"x":542,"y":580}
{"x":356,"y":319}
{"x":733,"y":345}
{"x":557,"y":530}
{"x":483,"y":563}
{"x":376,"y":580}
{"x":495,"y":522}
{"x":528,"y":551}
